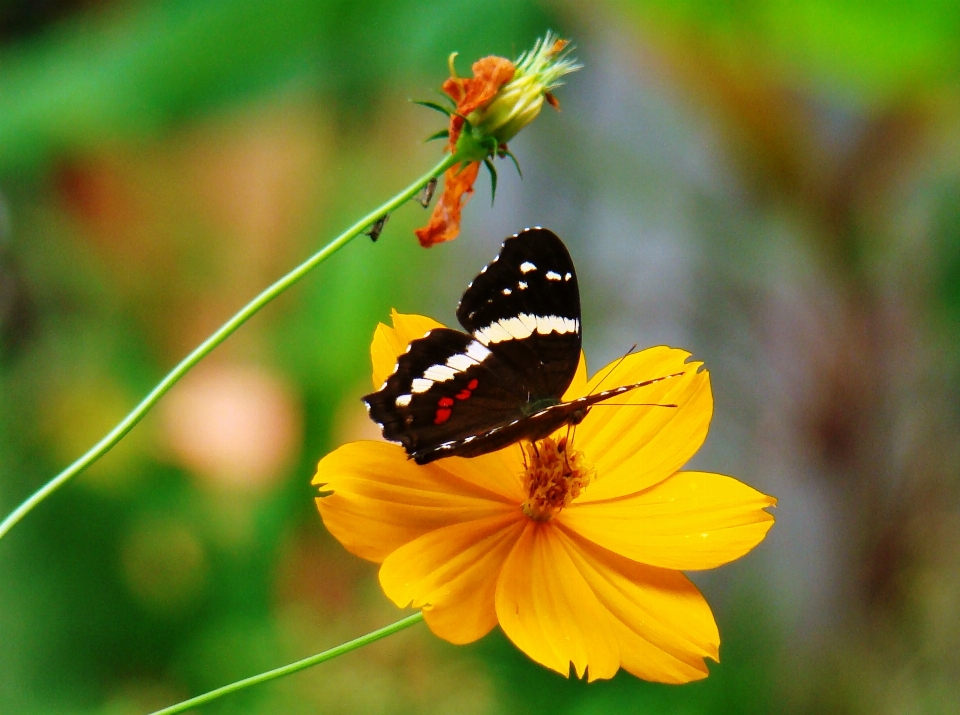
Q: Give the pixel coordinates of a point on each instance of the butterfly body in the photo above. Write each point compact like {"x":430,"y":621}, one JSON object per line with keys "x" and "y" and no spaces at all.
{"x":503,"y":380}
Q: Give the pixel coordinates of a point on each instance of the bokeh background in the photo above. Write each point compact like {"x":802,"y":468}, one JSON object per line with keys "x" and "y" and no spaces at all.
{"x":771,"y":184}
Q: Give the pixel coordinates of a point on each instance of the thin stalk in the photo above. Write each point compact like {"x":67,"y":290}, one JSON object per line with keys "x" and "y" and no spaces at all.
{"x":227,"y":329}
{"x":292,"y":667}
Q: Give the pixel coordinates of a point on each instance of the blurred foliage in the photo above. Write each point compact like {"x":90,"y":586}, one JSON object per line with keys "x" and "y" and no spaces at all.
{"x":130,"y":71}
{"x":794,"y":169}
{"x":854,"y":51}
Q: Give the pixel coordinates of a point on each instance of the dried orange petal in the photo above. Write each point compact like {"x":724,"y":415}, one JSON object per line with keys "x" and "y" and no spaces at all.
{"x":444,"y":224}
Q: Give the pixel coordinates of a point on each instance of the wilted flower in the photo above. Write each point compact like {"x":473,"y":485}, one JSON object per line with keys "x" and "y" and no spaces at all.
{"x":576,"y":550}
{"x":489,"y":109}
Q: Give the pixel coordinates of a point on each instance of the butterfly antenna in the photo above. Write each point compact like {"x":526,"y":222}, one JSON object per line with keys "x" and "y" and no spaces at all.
{"x":632,"y":404}
{"x":613,"y":369}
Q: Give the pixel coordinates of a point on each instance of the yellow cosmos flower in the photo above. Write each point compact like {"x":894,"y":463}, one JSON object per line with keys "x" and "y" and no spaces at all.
{"x":576,"y":551}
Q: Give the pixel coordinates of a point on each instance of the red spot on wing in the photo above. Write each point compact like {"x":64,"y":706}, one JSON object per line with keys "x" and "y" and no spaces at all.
{"x":445,"y":402}
{"x":465,"y":392}
{"x":443,"y":414}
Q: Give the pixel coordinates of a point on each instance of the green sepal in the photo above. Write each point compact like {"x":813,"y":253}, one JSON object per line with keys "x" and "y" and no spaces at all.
{"x":446,"y":97}
{"x":473,"y":145}
{"x":432,"y":105}
{"x":442,"y":134}
{"x":493,"y":179}
{"x":508,"y":153}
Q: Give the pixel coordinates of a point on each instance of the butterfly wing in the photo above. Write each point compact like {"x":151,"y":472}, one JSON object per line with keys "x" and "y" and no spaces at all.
{"x":525,"y":308}
{"x":446,"y":392}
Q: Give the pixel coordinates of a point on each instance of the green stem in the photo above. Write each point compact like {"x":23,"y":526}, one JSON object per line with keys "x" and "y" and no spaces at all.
{"x":128,"y":422}
{"x":292,"y":667}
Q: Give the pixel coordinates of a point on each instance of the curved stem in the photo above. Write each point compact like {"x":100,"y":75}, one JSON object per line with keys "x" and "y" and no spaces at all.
{"x":251,"y":308}
{"x":292,"y":667}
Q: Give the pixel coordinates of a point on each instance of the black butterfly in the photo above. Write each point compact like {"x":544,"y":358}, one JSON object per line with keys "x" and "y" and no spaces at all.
{"x":502,"y":381}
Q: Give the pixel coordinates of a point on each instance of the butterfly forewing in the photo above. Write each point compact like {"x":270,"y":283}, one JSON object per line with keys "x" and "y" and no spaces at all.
{"x":525,"y":307}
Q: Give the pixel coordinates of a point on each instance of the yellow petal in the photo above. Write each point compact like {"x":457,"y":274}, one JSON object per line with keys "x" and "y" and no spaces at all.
{"x":664,"y":625}
{"x":693,"y":520}
{"x":633,"y":448}
{"x":451,"y":573}
{"x":547,"y":609}
{"x":578,"y":384}
{"x":390,"y":343}
{"x":501,"y":472}
{"x":381,"y":500}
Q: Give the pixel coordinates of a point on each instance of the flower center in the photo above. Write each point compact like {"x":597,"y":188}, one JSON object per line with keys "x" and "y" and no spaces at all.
{"x":554,"y":477}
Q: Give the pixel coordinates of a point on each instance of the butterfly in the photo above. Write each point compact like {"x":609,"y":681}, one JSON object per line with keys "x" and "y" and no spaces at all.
{"x":501,"y":381}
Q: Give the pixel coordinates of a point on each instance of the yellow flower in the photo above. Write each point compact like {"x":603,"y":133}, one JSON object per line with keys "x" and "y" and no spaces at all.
{"x":576,"y":552}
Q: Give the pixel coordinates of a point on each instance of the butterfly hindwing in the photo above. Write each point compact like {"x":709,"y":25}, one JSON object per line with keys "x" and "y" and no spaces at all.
{"x":525,"y":307}
{"x":446,"y":389}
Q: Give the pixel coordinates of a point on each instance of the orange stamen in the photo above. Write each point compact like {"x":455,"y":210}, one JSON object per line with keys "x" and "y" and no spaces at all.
{"x":554,"y":477}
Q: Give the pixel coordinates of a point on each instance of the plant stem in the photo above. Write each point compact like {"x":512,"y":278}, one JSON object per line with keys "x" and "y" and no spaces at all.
{"x":293,"y":667}
{"x":225,"y":330}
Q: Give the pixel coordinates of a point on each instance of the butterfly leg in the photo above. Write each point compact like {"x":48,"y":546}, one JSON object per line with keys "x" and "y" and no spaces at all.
{"x":573,"y":436}
{"x":565,"y":444}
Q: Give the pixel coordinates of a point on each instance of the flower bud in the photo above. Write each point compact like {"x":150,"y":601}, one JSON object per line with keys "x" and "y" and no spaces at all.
{"x":490,"y":108}
{"x":519,"y":101}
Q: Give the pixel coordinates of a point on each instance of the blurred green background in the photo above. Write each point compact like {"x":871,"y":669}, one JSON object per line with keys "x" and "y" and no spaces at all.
{"x":772,"y":184}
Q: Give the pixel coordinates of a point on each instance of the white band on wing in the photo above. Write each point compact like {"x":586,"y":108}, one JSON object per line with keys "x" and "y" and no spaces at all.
{"x":460,"y":362}
{"x":525,"y":325}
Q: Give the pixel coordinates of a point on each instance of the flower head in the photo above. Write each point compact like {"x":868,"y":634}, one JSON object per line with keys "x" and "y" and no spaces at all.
{"x":575,"y":547}
{"x":490,"y":108}
{"x":519,"y":101}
